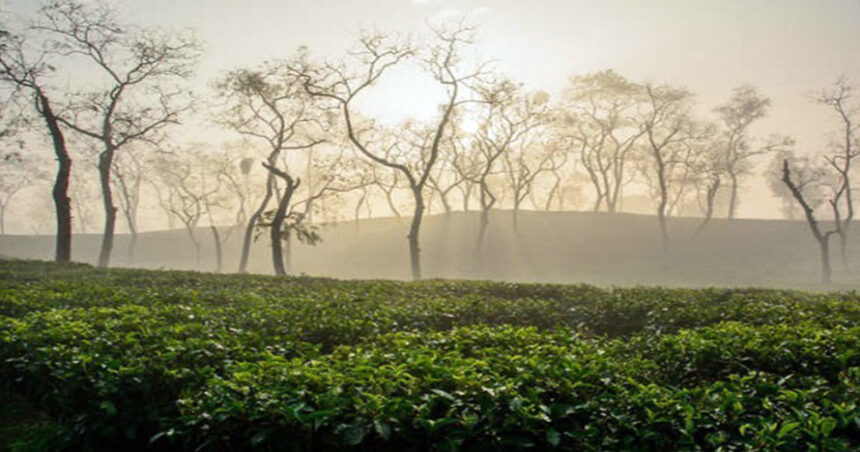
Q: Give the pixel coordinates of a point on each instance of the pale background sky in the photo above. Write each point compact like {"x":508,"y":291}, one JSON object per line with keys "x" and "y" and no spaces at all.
{"x":788,"y":48}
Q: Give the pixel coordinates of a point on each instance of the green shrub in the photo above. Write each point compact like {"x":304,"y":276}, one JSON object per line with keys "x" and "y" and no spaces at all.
{"x":130,"y":359}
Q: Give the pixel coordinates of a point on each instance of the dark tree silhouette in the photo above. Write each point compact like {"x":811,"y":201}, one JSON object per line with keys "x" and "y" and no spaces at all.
{"x":137,"y":102}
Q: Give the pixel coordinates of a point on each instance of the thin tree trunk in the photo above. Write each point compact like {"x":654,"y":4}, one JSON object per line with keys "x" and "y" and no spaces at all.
{"x":276,"y":231}
{"x":62,"y":202}
{"x":822,"y":238}
{"x":482,"y":229}
{"x":843,"y":247}
{"x":189,"y":229}
{"x":733,"y":197}
{"x":710,"y":196}
{"x":826,"y":271}
{"x":516,"y":218}
{"x":445,"y":204}
{"x":252,"y":223}
{"x":552,"y":193}
{"x":391,"y":205}
{"x":216,"y":237}
{"x":288,"y":253}
{"x":610,"y":204}
{"x":132,"y":244}
{"x":105,"y":163}
{"x":414,"y":230}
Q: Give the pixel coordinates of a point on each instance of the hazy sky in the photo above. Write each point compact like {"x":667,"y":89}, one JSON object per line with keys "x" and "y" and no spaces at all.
{"x":788,"y":48}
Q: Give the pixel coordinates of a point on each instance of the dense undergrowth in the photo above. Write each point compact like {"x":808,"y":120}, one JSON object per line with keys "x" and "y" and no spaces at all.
{"x":129,"y":359}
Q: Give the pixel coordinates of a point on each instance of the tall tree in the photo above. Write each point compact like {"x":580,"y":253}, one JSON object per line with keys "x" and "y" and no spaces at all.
{"x":527,"y":159}
{"x":191,"y":188}
{"x":376,"y":54}
{"x":18,"y":172}
{"x":129,"y":177}
{"x":803,"y":179}
{"x":268,"y":104}
{"x":668,"y":132}
{"x":511,"y":118}
{"x":331,"y":175}
{"x":601,"y":119}
{"x":745,"y":107}
{"x":841,"y":158}
{"x":139,"y":98}
{"x":25,"y":68}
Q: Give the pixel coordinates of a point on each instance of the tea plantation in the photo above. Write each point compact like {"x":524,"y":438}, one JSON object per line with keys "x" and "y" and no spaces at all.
{"x":135,"y":360}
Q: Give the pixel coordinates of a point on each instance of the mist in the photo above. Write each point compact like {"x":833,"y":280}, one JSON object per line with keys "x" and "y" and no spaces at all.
{"x":415,"y":225}
{"x":431,"y":139}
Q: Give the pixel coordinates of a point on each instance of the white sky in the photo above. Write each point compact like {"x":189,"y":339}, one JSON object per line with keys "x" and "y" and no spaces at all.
{"x":788,"y":48}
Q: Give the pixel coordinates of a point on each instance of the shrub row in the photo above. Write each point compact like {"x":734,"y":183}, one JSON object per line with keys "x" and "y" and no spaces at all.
{"x":136,"y":359}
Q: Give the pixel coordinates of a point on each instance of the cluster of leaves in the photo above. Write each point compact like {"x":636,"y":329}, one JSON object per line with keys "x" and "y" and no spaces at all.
{"x":185,"y":360}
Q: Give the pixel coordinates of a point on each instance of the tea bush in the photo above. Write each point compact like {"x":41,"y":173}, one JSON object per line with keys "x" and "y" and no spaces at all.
{"x":132,"y":359}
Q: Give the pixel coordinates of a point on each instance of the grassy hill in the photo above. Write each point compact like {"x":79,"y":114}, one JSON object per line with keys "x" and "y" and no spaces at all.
{"x":552,"y":247}
{"x":123,"y":359}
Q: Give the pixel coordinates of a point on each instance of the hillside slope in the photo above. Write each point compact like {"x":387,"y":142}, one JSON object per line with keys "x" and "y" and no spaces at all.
{"x":560,"y":247}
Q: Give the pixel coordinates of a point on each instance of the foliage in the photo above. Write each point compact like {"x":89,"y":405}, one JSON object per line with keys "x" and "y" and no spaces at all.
{"x":136,"y":359}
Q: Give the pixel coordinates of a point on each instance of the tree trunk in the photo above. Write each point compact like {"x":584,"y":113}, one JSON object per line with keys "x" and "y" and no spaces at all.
{"x":826,"y":271}
{"x":552,"y":193}
{"x":467,"y":195}
{"x":62,"y":202}
{"x":288,"y":252}
{"x":733,"y":197}
{"x":708,"y":214}
{"x":516,"y":218}
{"x":843,"y":246}
{"x":610,"y":205}
{"x":276,"y":234}
{"x":216,"y":238}
{"x":252,"y":223}
{"x":710,"y":196}
{"x":391,"y":205}
{"x":482,"y":229}
{"x":105,"y":163}
{"x":189,"y":229}
{"x":132,"y":244}
{"x":414,"y":230}
{"x":445,"y":204}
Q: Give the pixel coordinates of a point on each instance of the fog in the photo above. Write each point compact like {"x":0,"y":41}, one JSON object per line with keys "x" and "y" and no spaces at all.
{"x":613,"y":143}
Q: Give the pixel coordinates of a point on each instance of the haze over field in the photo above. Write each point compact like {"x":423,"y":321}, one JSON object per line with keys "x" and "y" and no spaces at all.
{"x":559,"y":106}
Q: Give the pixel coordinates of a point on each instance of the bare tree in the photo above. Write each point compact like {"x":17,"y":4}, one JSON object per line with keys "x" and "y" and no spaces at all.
{"x":375,"y":55}
{"x":510,"y":121}
{"x":803,"y":187}
{"x":235,"y":171}
{"x":841,"y":159}
{"x":268,"y":104}
{"x":708,"y":175}
{"x":526,"y":160}
{"x":668,"y":132}
{"x":137,"y":102}
{"x":601,"y":119}
{"x":745,"y":107}
{"x":190,"y":187}
{"x":773,"y":176}
{"x":445,"y":179}
{"x":25,"y":69}
{"x":332,"y":176}
{"x":232,"y":198}
{"x":129,"y":172}
{"x":18,"y":172}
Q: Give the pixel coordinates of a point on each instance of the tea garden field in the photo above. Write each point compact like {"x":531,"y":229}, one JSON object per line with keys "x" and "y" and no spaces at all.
{"x":122,"y":359}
